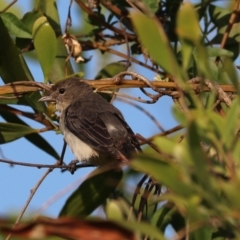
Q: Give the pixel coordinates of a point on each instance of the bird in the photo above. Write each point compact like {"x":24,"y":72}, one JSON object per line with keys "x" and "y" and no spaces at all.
{"x":94,"y":129}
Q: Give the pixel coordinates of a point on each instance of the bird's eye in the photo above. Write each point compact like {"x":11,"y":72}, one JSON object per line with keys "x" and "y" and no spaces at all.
{"x":61,"y":90}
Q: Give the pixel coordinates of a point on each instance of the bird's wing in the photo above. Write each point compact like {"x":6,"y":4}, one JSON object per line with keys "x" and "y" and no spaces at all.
{"x":104,"y":131}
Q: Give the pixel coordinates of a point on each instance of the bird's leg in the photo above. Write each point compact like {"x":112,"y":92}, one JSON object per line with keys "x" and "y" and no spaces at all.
{"x":63,"y":153}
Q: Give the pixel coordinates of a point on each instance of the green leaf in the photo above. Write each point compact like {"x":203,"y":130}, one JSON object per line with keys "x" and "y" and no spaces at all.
{"x":152,"y":4}
{"x":113,"y":210}
{"x":142,"y":228}
{"x":111,"y":70}
{"x":30,"y":18}
{"x":13,"y":67}
{"x":163,"y":172}
{"x":34,"y":138}
{"x":230,"y":69}
{"x":15,"y":26}
{"x":186,"y":52}
{"x":12,"y":131}
{"x":161,"y":52}
{"x":60,"y":69}
{"x":231,"y":124}
{"x":187,"y":24}
{"x":91,"y":193}
{"x":214,"y":52}
{"x":44,"y":40}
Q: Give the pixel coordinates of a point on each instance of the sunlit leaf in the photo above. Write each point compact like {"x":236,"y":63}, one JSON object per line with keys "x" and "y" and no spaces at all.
{"x":113,"y":210}
{"x":187,"y":24}
{"x":44,"y":40}
{"x":151,"y":32}
{"x":61,"y":69}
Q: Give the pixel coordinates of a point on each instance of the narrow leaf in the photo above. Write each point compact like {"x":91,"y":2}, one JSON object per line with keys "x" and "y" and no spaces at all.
{"x":151,"y":32}
{"x":34,"y":138}
{"x":12,"y":131}
{"x":163,"y":172}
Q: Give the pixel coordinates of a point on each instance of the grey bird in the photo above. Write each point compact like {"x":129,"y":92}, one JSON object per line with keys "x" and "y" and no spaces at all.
{"x":94,"y":129}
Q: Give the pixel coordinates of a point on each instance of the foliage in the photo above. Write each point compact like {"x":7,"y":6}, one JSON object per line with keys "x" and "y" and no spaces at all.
{"x":195,"y":173}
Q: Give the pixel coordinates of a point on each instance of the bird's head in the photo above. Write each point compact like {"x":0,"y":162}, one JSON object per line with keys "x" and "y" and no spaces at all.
{"x":65,"y":92}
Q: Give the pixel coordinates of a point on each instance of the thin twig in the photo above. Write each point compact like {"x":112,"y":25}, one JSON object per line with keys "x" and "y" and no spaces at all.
{"x":32,"y":164}
{"x":33,"y":191}
{"x":144,"y":111}
{"x":129,"y":97}
{"x":231,"y":22}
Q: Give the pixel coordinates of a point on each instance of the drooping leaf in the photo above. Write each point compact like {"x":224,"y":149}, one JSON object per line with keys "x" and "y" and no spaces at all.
{"x":45,"y":43}
{"x":150,"y":32}
{"x":34,"y":138}
{"x":12,"y":131}
{"x":15,"y":26}
{"x":91,"y":193}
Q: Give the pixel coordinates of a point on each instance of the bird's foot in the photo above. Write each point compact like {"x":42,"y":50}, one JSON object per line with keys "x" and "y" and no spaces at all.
{"x":73,"y":166}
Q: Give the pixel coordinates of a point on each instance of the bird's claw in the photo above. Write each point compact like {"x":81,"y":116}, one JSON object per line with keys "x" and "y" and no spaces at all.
{"x":72,"y":166}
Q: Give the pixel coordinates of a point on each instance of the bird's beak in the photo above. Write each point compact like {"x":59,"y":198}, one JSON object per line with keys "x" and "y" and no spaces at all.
{"x":48,"y":98}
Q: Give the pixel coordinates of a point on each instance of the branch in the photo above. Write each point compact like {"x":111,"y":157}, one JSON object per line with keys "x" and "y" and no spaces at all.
{"x":104,"y":84}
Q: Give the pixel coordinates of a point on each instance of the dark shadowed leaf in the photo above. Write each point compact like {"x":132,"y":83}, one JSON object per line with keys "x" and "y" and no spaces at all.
{"x":13,"y":67}
{"x":12,"y":131}
{"x":28,"y":20}
{"x":91,"y":193}
{"x":111,"y":70}
{"x":34,"y":138}
{"x":152,"y":5}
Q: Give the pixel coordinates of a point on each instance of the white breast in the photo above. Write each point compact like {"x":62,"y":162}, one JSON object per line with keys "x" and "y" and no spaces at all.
{"x":81,"y":150}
